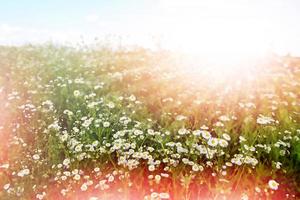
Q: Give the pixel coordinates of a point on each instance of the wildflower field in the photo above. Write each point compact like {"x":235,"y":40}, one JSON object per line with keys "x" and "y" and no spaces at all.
{"x":98,"y":124}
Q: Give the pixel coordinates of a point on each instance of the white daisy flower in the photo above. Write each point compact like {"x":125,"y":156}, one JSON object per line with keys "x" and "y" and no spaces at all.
{"x":273,"y":184}
{"x":213,"y":142}
{"x":223,"y":143}
{"x":226,"y":136}
{"x":206,"y":135}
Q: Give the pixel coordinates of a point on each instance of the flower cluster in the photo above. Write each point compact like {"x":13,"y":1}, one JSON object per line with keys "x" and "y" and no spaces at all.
{"x":126,"y":125}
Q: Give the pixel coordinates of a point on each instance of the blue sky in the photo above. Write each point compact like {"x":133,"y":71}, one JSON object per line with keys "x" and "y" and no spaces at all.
{"x":58,"y":14}
{"x":180,"y":24}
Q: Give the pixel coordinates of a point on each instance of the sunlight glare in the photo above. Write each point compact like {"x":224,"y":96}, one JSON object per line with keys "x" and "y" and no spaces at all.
{"x":223,"y":35}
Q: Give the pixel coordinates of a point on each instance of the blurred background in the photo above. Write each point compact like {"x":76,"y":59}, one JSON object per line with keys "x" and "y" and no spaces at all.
{"x":222,"y":28}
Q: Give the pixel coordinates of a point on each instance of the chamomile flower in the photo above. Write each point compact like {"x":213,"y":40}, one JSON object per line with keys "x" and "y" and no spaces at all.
{"x":206,"y":135}
{"x":213,"y":142}
{"x":273,"y":184}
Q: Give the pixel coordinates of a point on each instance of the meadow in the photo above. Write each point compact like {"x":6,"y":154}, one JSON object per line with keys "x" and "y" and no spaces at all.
{"x":97,"y":124}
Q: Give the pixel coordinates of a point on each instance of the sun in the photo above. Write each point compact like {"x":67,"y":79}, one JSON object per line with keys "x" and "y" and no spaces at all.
{"x":225,"y":36}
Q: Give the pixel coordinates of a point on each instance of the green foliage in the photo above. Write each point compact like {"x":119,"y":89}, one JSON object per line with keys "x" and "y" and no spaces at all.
{"x":135,"y":113}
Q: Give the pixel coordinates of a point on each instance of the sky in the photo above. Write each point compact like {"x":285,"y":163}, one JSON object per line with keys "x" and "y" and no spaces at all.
{"x":196,"y":26}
